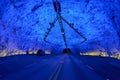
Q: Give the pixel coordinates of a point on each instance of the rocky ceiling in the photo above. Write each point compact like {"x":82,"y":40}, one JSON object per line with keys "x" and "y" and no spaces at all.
{"x":24,"y":23}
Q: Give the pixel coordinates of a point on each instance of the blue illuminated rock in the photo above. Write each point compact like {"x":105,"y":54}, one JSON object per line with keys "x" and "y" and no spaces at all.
{"x":24,"y":23}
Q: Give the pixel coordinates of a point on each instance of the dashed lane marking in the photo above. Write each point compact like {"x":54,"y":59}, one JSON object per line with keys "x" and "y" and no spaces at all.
{"x":55,"y":74}
{"x":89,"y":67}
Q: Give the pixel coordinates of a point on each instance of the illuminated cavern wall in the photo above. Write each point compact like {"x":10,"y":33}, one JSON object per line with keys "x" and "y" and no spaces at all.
{"x":23,"y":24}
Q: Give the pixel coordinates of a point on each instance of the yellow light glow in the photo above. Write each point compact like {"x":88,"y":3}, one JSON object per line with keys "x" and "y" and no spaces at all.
{"x":103,"y":54}
{"x":93,"y":54}
{"x":90,"y":53}
{"x":3,"y":53}
{"x":35,"y":52}
{"x":119,"y":56}
{"x":116,"y":56}
{"x":30,"y":52}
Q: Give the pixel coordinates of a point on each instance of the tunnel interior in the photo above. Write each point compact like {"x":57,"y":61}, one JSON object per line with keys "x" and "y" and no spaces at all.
{"x":25,"y":23}
{"x":59,"y":39}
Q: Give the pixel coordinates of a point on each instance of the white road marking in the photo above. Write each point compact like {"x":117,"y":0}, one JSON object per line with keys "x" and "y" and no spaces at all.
{"x":89,"y":67}
{"x":30,"y":65}
{"x":58,"y":68}
{"x":56,"y":76}
{"x":52,"y":75}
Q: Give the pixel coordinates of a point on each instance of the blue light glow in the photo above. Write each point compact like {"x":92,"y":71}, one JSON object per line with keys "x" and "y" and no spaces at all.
{"x":23,"y":24}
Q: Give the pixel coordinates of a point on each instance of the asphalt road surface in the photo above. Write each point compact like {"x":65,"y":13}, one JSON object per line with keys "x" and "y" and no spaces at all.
{"x":59,"y":67}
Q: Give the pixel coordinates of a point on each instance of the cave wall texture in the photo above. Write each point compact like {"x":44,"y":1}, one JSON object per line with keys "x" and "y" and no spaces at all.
{"x":23,"y":25}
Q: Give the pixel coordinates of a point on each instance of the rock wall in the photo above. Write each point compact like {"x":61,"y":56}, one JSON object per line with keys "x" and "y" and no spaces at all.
{"x":23,"y":25}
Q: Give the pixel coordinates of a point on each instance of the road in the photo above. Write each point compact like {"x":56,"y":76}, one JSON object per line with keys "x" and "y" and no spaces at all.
{"x":58,"y":67}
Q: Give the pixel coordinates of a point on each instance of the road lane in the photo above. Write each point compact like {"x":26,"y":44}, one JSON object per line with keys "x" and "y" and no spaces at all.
{"x":41,"y":69}
{"x":59,"y":67}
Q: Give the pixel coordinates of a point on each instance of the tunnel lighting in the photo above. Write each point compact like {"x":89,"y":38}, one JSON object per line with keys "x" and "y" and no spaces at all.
{"x":81,"y":53}
{"x":118,"y":56}
{"x":17,"y":52}
{"x":35,"y":52}
{"x":115,"y":55}
{"x":3,"y":53}
{"x":47,"y":52}
{"x":90,"y":53}
{"x":103,"y":54}
{"x":30,"y":52}
{"x":93,"y":53}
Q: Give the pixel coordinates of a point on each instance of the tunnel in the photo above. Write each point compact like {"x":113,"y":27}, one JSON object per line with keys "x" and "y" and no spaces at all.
{"x":59,"y":39}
